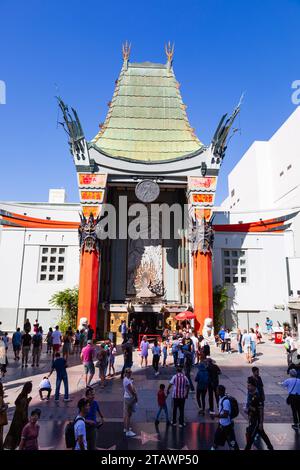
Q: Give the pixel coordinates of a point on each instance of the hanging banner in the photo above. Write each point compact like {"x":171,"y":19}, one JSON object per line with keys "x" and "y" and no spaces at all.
{"x":202,"y":184}
{"x":92,"y":180}
{"x":91,"y":196}
{"x":197,"y":198}
{"x":88,"y":210}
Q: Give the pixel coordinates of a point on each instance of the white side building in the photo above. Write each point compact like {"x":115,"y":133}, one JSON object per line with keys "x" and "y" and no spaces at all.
{"x":266,"y":184}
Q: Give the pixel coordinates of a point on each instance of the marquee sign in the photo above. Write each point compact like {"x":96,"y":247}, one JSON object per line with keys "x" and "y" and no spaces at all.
{"x":92,"y":180}
{"x":199,"y":198}
{"x":91,"y":196}
{"x":208,"y":183}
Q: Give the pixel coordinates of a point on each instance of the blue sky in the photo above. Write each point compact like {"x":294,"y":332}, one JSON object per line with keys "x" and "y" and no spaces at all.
{"x":222,"y":48}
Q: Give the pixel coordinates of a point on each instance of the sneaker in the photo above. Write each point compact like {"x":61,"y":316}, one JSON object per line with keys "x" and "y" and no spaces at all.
{"x":211,"y":412}
{"x":295,"y":426}
{"x":156,"y":373}
{"x":168,"y":423}
{"x":22,"y":366}
{"x":130,"y":434}
{"x":156,"y":422}
{"x":56,"y":400}
{"x":125,"y":430}
{"x":26,"y":365}
{"x":182,"y":425}
{"x":32,"y":365}
{"x":67,"y":399}
{"x":173,"y":423}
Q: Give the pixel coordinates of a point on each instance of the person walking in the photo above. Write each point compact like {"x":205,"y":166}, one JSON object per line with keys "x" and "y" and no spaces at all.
{"x":202,"y":380}
{"x":239,"y":338}
{"x":27,"y":326}
{"x":87,"y":358}
{"x":269,"y":326}
{"x":258,"y":333}
{"x":16,"y":343}
{"x":80,"y":426}
{"x":59,"y":365}
{"x":3,"y":358}
{"x":259,"y":383}
{"x":91,"y":421}
{"x":162,"y":404}
{"x":111,"y":359}
{"x":30,"y":432}
{"x":20,"y":418}
{"x":188,"y":363}
{"x":67,"y":343}
{"x":37,"y":340}
{"x":246,"y":343}
{"x":102,"y":360}
{"x":49,"y":341}
{"x":127,"y":354}
{"x":124,"y":331}
{"x":3,"y":414}
{"x":221,"y":335}
{"x":227,"y":339}
{"x":293,"y":387}
{"x":253,"y":342}
{"x":175,"y":350}
{"x":255,"y":410}
{"x":26,"y":343}
{"x":180,"y":392}
{"x":130,"y":401}
{"x":56,"y":341}
{"x":144,"y":351}
{"x":77,"y":342}
{"x":156,"y":351}
{"x":213,"y":382}
{"x":225,"y":431}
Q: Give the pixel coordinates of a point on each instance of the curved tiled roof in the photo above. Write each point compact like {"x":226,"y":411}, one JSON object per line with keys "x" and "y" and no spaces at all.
{"x":147,"y":119}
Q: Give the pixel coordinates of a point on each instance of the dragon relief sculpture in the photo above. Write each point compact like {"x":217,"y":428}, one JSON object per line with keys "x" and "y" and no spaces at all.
{"x":201,"y":236}
{"x":88,"y":240}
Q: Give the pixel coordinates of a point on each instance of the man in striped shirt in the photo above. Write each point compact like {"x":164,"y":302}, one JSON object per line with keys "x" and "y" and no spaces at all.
{"x":179,"y":394}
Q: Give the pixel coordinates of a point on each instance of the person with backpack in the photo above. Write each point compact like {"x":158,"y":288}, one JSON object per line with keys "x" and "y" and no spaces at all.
{"x":213,"y":382}
{"x":255,"y":409}
{"x":228,"y":410}
{"x":16,"y":342}
{"x":75,"y":433}
{"x":293,"y":387}
{"x":36,"y":349}
{"x":202,"y":380}
{"x":91,"y":419}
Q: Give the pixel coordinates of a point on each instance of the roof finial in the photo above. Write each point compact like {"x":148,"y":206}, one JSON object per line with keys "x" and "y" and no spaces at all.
{"x":169,"y":52}
{"x":126,"y":50}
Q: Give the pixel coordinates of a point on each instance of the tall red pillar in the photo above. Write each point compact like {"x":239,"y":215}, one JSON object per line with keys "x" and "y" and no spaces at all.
{"x":203,"y":290}
{"x":89,"y":287}
{"x":89,"y":271}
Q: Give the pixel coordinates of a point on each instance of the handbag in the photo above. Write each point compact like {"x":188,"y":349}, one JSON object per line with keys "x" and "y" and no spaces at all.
{"x":288,"y":400}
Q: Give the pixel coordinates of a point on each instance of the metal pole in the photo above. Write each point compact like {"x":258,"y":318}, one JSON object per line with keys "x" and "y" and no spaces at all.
{"x":21,"y":279}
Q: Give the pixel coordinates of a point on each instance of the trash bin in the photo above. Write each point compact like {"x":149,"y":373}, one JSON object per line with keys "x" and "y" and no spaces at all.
{"x":278,"y":337}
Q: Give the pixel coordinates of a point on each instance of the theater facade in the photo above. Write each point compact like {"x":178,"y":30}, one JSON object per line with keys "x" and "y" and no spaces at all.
{"x":151,"y":243}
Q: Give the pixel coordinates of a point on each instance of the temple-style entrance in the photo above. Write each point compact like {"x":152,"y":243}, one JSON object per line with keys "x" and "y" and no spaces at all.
{"x":153,"y":182}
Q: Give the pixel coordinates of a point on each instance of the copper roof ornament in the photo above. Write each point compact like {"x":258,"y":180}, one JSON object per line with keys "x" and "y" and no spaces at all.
{"x":126,"y":48}
{"x":169,"y":53}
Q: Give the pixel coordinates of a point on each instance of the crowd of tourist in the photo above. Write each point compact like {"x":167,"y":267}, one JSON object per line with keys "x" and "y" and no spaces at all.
{"x":183,"y":349}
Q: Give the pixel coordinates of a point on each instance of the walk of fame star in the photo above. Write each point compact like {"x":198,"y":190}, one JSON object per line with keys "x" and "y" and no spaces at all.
{"x":145,"y":437}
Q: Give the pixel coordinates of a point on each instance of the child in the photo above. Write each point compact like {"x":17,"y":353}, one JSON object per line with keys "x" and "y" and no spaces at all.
{"x":77,"y":342}
{"x":45,"y":386}
{"x":111,"y":359}
{"x":161,"y":400}
{"x":165,"y":353}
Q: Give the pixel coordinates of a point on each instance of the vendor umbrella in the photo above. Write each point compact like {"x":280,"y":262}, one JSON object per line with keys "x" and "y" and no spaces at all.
{"x":187,"y":315}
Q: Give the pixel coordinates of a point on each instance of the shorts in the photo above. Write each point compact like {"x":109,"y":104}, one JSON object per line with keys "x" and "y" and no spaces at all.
{"x":129,"y":404}
{"x":111,"y":360}
{"x":56,"y":347}
{"x":66,"y":348}
{"x":45,"y":389}
{"x":89,"y":368}
{"x":16,"y":347}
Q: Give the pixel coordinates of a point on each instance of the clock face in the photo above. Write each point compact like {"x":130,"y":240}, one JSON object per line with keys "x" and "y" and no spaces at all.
{"x":147,"y":191}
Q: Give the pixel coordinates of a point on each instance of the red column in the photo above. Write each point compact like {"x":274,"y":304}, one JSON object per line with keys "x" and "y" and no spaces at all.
{"x":89,"y":286}
{"x":203,"y":290}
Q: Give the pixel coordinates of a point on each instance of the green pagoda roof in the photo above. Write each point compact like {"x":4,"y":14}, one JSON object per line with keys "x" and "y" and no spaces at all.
{"x":147,"y":120}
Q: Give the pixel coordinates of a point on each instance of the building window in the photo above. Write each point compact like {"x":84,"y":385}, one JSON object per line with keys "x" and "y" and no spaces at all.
{"x":235,"y":269}
{"x":52,"y":264}
{"x":289,"y":167}
{"x":281,"y":173}
{"x":232,"y":192}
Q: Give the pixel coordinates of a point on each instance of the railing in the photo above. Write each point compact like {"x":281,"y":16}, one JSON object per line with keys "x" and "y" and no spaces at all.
{"x":149,"y":338}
